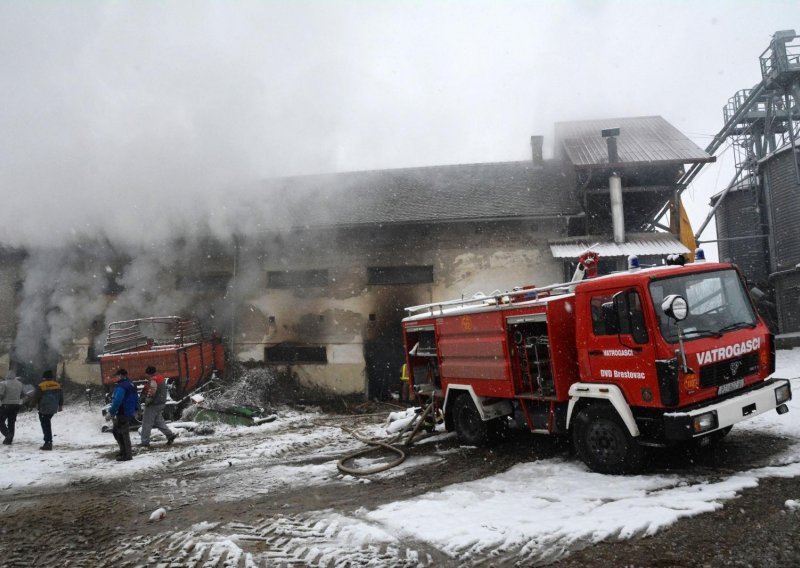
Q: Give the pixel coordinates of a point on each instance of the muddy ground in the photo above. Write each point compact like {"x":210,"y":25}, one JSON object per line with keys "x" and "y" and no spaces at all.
{"x":100,"y":523}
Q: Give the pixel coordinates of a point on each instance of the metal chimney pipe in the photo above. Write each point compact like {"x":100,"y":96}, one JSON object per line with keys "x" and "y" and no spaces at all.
{"x":615,"y":186}
{"x":617,"y":212}
{"x":536,"y":150}
{"x":610,"y":134}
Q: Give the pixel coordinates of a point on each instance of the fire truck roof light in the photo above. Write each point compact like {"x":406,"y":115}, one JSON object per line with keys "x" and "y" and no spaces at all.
{"x":633,"y":262}
{"x":699,"y":255}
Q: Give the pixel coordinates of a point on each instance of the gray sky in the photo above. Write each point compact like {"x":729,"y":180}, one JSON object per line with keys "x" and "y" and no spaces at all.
{"x":130,"y":117}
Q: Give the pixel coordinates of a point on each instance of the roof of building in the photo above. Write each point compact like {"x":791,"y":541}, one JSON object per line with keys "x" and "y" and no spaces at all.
{"x":492,"y":191}
{"x":640,"y":244}
{"x":642,"y":140}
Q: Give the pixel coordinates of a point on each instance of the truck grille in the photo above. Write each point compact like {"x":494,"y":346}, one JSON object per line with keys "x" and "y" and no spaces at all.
{"x":729,"y":370}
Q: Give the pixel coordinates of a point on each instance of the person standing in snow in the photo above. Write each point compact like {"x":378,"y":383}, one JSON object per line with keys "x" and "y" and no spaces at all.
{"x":49,"y":399}
{"x":10,"y":401}
{"x":155,"y":398}
{"x":124,"y":402}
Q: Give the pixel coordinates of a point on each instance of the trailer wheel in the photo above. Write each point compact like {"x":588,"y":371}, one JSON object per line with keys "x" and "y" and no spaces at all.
{"x":604,"y":443}
{"x":470,"y":428}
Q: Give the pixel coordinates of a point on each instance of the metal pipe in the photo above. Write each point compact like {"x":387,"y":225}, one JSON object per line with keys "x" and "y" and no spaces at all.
{"x":732,"y":239}
{"x":784,"y":272}
{"x":617,"y":212}
{"x":537,"y":156}
{"x":713,"y":211}
{"x":233,"y":295}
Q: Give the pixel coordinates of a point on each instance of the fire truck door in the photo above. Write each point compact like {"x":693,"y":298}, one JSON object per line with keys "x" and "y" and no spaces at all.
{"x":619,"y":348}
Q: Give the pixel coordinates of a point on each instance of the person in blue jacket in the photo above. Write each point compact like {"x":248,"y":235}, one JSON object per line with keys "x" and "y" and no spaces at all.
{"x":124,"y":403}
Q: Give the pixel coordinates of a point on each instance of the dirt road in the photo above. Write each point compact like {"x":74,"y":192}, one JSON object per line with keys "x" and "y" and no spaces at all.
{"x":236,"y":502}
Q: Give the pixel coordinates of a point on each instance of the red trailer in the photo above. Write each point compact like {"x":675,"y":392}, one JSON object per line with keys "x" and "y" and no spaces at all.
{"x":173,"y":345}
{"x":648,"y":357}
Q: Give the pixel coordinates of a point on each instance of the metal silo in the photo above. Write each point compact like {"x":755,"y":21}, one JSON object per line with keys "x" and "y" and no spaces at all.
{"x":783,"y":194}
{"x":741,"y":230}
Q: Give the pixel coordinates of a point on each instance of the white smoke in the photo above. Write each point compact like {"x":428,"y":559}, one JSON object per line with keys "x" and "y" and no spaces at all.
{"x":62,"y":293}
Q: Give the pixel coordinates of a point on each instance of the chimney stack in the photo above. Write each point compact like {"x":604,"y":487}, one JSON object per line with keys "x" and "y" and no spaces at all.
{"x":536,"y":150}
{"x":610,"y":134}
{"x":615,"y":186}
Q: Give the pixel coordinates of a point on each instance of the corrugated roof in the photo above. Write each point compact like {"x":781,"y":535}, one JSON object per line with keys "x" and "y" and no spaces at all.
{"x":642,"y":140}
{"x":640,"y":244}
{"x":440,"y":193}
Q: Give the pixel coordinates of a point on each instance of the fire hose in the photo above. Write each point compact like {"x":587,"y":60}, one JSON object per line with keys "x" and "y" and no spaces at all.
{"x":390,"y":445}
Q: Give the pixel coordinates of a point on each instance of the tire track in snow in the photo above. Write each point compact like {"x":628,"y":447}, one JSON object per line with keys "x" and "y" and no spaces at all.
{"x":290,"y":541}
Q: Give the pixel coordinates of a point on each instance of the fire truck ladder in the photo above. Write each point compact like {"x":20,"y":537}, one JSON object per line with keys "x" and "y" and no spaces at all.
{"x":497,"y":298}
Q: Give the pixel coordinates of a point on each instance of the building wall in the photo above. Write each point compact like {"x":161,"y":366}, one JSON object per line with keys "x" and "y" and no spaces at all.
{"x":350,"y":318}
{"x":353,"y":319}
{"x":10,"y":263}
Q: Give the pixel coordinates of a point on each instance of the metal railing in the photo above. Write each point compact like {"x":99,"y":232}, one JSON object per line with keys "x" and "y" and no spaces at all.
{"x":782,"y":55}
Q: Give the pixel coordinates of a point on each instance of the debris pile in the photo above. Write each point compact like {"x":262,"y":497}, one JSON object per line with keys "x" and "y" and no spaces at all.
{"x":244,"y":401}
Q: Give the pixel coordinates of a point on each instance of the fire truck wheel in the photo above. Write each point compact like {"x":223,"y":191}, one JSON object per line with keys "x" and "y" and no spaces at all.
{"x":604,"y":443}
{"x":470,"y":428}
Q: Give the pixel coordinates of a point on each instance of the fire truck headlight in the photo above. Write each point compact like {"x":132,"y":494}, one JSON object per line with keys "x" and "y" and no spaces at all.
{"x":704,"y":422}
{"x":782,"y":394}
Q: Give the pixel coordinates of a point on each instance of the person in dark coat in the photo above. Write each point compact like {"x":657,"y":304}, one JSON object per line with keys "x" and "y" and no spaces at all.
{"x":124,"y":403}
{"x":49,"y":399}
{"x":11,"y":393}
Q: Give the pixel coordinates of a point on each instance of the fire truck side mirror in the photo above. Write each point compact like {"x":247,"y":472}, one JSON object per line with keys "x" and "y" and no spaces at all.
{"x":675,"y":307}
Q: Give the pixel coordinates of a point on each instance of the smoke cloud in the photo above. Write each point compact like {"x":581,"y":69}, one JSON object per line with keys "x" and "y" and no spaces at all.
{"x":128,"y":127}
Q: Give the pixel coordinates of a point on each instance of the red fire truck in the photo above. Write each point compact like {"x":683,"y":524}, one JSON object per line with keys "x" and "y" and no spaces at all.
{"x":647,"y":357}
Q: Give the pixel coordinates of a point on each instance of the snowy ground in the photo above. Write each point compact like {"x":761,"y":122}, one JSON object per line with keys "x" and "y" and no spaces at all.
{"x":534,"y":512}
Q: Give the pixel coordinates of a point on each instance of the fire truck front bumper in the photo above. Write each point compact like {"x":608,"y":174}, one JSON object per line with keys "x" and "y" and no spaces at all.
{"x":773,"y":394}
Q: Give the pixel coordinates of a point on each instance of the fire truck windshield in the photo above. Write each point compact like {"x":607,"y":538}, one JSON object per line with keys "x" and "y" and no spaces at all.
{"x":717,"y":300}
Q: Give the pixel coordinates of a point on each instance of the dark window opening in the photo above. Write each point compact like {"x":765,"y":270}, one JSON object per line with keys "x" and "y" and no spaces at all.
{"x":91,"y":355}
{"x":297,"y":278}
{"x":399,"y":274}
{"x":113,"y":287}
{"x":217,"y":282}
{"x":96,"y":328}
{"x":295,"y":354}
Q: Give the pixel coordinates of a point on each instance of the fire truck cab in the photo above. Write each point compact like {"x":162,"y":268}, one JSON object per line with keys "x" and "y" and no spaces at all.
{"x":648,"y":357}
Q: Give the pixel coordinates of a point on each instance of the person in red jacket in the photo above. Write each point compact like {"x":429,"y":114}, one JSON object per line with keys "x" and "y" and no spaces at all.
{"x":155,"y":398}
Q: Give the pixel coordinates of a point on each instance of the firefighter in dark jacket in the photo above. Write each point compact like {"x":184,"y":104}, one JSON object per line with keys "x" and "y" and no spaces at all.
{"x":49,"y":399}
{"x":124,"y":403}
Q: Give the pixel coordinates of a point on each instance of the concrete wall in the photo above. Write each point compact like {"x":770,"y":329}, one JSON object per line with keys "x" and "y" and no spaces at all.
{"x":10,"y":265}
{"x":348,"y":312}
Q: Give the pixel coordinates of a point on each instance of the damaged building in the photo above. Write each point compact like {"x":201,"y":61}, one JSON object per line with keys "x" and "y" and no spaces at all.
{"x":321,"y":289}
